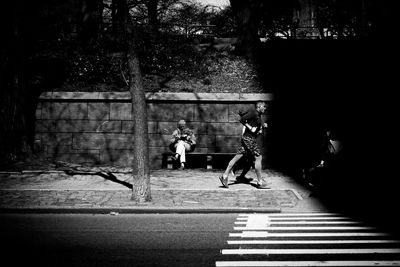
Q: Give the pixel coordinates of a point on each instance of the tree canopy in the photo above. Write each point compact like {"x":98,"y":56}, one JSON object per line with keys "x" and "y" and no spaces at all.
{"x":79,"y":45}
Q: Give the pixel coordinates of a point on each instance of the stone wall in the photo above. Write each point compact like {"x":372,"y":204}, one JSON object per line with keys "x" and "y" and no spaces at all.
{"x":96,"y":128}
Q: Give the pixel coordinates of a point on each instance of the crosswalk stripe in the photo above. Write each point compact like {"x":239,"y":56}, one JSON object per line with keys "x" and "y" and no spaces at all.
{"x":303,"y":222}
{"x":305,"y":263}
{"x":299,"y":218}
{"x":245,"y":234}
{"x":282,"y":228}
{"x":308,"y":242}
{"x":340,"y":240}
{"x":273,"y":215}
{"x":310,"y":251}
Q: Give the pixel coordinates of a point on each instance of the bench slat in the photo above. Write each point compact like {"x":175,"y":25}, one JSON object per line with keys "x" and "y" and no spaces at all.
{"x":209,"y":157}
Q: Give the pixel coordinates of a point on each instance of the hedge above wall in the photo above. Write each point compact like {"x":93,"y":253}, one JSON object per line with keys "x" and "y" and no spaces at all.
{"x":96,"y":127}
{"x":124,"y":96}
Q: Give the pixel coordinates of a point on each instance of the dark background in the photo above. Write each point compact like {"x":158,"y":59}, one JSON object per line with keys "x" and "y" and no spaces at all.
{"x":348,"y":86}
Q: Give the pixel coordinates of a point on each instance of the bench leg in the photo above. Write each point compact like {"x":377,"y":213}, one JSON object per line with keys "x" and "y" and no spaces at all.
{"x":170,"y":162}
{"x":209,"y":162}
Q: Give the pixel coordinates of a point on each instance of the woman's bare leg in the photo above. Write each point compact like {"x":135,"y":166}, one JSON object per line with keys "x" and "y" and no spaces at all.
{"x":232,"y":163}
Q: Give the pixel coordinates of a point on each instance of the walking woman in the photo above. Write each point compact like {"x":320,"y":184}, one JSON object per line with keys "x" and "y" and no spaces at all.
{"x":248,"y":146}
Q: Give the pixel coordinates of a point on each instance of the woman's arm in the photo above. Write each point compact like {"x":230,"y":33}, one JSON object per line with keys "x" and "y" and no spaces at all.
{"x":175,"y":136}
{"x":247,"y":117}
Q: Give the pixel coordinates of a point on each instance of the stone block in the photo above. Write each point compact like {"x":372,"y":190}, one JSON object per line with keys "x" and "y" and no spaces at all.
{"x":120,"y":111}
{"x":106,"y":126}
{"x":159,"y":140}
{"x":46,"y":95}
{"x":62,"y":110}
{"x":204,"y":150}
{"x":65,"y":149}
{"x":99,"y":111}
{"x":256,"y":97}
{"x":127,"y":127}
{"x":102,"y":141}
{"x":119,"y":157}
{"x":44,"y":126}
{"x":47,"y":110}
{"x":227,"y":141}
{"x":115,"y":96}
{"x":166,"y":128}
{"x":54,"y":150}
{"x":82,"y":126}
{"x":225,"y":128}
{"x":235,"y":108}
{"x":57,"y":139}
{"x":67,"y":126}
{"x":169,"y":127}
{"x":79,"y":158}
{"x":205,"y":140}
{"x":75,"y":95}
{"x":211,"y":113}
{"x":77,"y":111}
{"x":169,"y":112}
{"x":38,"y":111}
{"x":198,"y":127}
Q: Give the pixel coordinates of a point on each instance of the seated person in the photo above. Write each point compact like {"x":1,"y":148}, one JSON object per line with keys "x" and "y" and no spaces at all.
{"x":330,"y":162}
{"x":182,"y":141}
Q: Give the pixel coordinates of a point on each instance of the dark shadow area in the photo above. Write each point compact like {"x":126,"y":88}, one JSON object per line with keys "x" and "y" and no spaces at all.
{"x":106,"y":175}
{"x":348,"y":86}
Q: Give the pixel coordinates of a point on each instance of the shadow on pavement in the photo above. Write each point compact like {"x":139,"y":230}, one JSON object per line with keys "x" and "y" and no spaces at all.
{"x":106,"y":175}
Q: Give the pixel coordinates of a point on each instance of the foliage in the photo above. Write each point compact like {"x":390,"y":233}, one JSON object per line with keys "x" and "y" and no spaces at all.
{"x":339,"y":19}
{"x":170,"y":64}
{"x":173,"y":60}
{"x":277,"y":19}
{"x":224,"y":23}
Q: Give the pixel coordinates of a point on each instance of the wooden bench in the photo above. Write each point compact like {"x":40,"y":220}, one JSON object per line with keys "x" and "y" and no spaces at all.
{"x":199,"y":160}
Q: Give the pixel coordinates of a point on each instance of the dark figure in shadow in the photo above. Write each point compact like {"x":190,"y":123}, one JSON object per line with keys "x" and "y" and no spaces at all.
{"x":330,"y":162}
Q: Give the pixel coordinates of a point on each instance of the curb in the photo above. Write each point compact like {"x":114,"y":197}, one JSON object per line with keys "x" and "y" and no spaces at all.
{"x":116,"y":211}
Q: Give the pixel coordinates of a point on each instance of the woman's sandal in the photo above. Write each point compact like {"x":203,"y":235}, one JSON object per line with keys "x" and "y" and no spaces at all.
{"x":263,"y":185}
{"x":224,"y":181}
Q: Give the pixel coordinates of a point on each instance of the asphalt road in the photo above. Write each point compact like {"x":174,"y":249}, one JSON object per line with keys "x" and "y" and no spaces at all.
{"x":119,"y":240}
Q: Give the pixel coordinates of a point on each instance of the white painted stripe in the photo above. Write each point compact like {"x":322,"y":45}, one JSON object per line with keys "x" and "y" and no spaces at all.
{"x":300,"y":214}
{"x":303,"y":222}
{"x":289,"y":228}
{"x":249,"y":234}
{"x":302,"y":218}
{"x":257,"y":221}
{"x":310,"y":251}
{"x":305,"y":263}
{"x":242,"y":219}
{"x":313,"y":222}
{"x":305,"y":242}
{"x":291,"y":214}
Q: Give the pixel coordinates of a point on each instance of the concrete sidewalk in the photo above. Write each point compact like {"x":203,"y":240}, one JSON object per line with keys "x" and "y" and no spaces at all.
{"x":102,"y":190}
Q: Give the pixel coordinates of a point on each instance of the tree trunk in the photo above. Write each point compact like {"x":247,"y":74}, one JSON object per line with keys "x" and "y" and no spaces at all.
{"x":140,"y":165}
{"x":120,"y":13}
{"x":140,"y":168}
{"x":153,"y":17}
{"x":14,"y":130}
{"x":248,"y":19}
{"x":363,"y":19}
{"x":91,"y":20}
